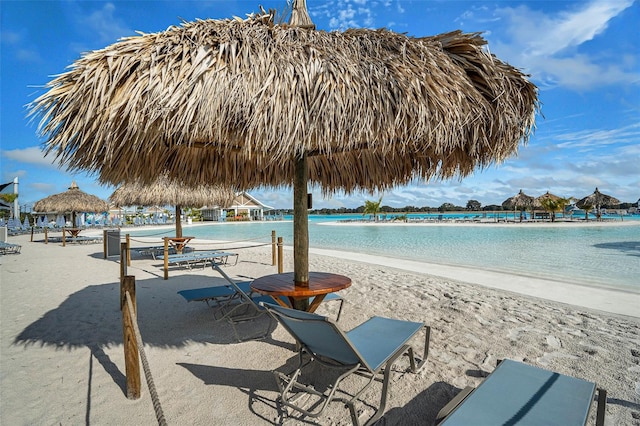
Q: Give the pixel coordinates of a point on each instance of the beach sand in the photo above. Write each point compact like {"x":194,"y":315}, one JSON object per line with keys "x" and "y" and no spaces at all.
{"x":62,"y":361}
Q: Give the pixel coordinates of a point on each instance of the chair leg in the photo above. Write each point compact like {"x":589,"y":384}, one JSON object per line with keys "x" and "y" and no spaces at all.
{"x":385,"y":385}
{"x":602,"y":407}
{"x":425,"y":355}
{"x":340,"y":309}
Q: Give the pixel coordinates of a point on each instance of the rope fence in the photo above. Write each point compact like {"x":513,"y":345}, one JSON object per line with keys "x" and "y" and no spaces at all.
{"x":125,"y":250}
{"x":132,"y":351}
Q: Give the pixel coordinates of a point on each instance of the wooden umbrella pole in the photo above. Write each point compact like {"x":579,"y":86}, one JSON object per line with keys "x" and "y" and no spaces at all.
{"x":178,"y":221}
{"x":300,"y":223}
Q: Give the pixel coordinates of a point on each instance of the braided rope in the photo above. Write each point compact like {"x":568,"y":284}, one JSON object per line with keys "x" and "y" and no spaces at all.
{"x":145,"y":365}
{"x":203,"y":243}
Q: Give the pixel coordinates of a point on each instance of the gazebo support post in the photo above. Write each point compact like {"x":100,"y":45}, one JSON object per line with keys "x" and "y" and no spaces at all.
{"x":300,"y":228}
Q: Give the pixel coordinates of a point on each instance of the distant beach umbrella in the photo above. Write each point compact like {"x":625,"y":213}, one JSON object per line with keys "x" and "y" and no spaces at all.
{"x":252,"y":103}
{"x":71,"y":201}
{"x":520,"y":202}
{"x":551,"y":203}
{"x":537,"y":202}
{"x":164,"y":191}
{"x":597,"y":200}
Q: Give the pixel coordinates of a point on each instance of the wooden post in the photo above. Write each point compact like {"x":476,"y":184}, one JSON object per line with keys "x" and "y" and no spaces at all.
{"x":32,"y":233}
{"x":123,"y":261}
{"x":300,"y":223}
{"x":131,"y":355}
{"x":64,"y":238}
{"x":126,"y":238}
{"x":273,"y":248}
{"x":104,"y":242}
{"x":166,"y":258}
{"x":46,"y":235}
{"x":280,"y":256}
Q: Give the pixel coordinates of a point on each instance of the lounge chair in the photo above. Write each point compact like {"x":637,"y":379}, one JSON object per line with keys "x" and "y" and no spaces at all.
{"x":201,"y":257}
{"x":9,"y":248}
{"x":370,"y":349}
{"x":517,"y":393}
{"x":216,"y":295}
{"x":241,"y":307}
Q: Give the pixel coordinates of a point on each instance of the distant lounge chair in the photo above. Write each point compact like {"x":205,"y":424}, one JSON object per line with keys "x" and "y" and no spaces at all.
{"x":9,"y":248}
{"x":201,"y":257}
{"x":517,"y":393}
{"x":369,"y":350}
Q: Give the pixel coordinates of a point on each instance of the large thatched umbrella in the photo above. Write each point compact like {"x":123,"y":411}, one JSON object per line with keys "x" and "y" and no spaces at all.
{"x":520,"y":202}
{"x":164,"y":191}
{"x":597,"y":200}
{"x":251,"y":102}
{"x":71,"y":201}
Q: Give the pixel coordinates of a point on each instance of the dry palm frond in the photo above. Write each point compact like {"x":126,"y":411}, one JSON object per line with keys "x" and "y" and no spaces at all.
{"x":234,"y":101}
{"x":72,"y":200}
{"x":520,"y":201}
{"x":166,"y":192}
{"x":539,"y":201}
{"x":597,"y":200}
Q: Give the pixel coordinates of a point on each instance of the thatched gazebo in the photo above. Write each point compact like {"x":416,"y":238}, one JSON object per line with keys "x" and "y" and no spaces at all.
{"x":519,"y":202}
{"x":597,"y":200}
{"x":252,"y":102}
{"x":550,"y":202}
{"x":164,"y":191}
{"x":71,"y":201}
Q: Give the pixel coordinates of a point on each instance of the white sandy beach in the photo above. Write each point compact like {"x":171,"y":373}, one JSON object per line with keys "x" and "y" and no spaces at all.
{"x":61,"y":353}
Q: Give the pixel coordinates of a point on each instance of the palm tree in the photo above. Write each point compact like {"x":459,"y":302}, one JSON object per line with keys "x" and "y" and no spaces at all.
{"x":553,"y":205}
{"x":372,"y":207}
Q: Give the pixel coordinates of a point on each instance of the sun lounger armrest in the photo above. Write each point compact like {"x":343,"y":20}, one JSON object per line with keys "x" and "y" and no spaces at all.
{"x":451,"y":405}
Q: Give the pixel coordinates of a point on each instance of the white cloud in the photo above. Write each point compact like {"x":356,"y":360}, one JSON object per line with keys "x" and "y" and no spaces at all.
{"x":567,"y":30}
{"x":104,"y":24}
{"x":31,"y":155}
{"x":553,"y":47}
{"x":344,"y":14}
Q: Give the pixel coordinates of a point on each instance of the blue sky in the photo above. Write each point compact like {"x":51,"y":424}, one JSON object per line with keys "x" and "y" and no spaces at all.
{"x":583,"y":55}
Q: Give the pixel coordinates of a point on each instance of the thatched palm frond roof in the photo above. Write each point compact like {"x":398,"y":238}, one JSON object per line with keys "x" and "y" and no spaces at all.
{"x":520,"y":201}
{"x":72,"y":200}
{"x":597,"y":199}
{"x":537,"y":202}
{"x":233,"y":101}
{"x":163,"y":191}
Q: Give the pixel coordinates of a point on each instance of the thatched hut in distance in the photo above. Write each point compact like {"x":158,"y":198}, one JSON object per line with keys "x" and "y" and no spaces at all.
{"x":164,"y":191}
{"x":71,"y":201}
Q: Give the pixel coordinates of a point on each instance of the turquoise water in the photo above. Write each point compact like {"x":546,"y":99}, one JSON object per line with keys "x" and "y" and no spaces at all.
{"x":603,"y":256}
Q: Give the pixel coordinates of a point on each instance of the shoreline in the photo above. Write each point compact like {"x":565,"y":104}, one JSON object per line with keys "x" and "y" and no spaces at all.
{"x":62,"y":359}
{"x":612,"y":299}
{"x":525,"y":224}
{"x":601,"y":298}
{"x":604,"y":299}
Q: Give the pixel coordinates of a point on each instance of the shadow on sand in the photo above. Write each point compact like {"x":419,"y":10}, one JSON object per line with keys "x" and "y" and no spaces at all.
{"x":92,"y":318}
